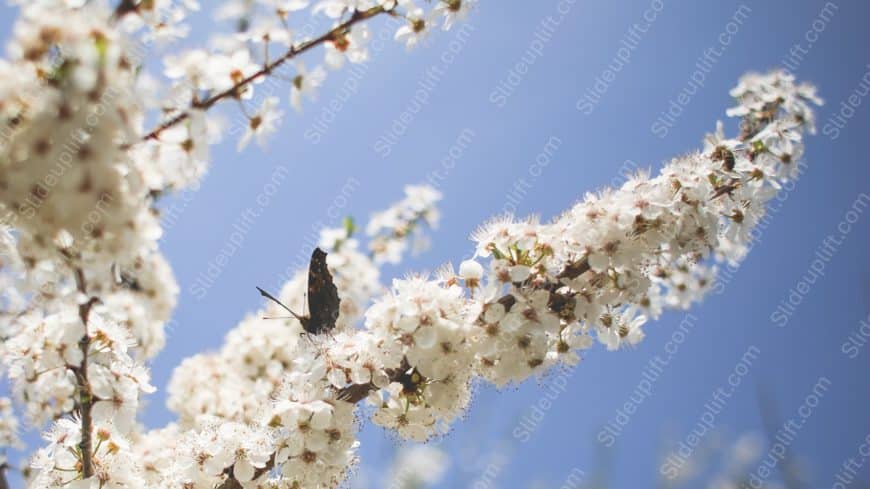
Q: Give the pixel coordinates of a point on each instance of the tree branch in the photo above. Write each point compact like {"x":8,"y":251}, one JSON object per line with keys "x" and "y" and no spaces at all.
{"x":235,"y":90}
{"x":85,"y":401}
{"x":4,"y":484}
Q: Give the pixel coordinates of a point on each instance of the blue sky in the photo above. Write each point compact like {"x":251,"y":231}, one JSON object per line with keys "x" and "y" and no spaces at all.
{"x":496,"y":137}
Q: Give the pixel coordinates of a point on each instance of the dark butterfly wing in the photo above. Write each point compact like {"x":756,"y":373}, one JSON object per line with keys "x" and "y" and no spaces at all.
{"x":323,"y":300}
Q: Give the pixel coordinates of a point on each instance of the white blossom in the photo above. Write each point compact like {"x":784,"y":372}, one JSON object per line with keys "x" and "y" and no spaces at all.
{"x":305,"y":83}
{"x":262,"y":124}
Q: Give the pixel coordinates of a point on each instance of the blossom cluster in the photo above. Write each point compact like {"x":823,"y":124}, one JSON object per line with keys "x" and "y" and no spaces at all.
{"x":388,"y":230}
{"x":283,"y":384}
{"x":87,"y":292}
{"x":80,"y":231}
{"x":58,"y":463}
{"x":533,"y":297}
{"x":268,"y":34}
{"x":8,"y":428}
{"x":417,"y":466}
{"x":65,"y":177}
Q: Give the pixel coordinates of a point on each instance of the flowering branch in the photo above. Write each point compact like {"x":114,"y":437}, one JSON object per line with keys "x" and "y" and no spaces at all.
{"x":86,"y":397}
{"x":601,"y":269}
{"x":270,"y":409}
{"x":335,"y":34}
{"x":389,"y":231}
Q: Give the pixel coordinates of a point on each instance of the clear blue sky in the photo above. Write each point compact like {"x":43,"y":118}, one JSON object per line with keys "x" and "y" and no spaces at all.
{"x":503,"y":144}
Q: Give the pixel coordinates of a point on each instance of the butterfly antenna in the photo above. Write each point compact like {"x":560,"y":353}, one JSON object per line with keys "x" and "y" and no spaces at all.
{"x":276,"y":301}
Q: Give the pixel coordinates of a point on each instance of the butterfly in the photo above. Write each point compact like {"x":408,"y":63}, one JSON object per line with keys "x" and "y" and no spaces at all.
{"x":323,"y":300}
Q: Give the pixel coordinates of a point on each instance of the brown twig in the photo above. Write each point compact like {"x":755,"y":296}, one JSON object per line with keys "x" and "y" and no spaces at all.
{"x":85,"y":401}
{"x":236,"y":90}
{"x":4,"y":484}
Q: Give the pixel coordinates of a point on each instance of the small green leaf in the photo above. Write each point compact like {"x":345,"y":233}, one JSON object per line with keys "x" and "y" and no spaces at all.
{"x":349,"y":226}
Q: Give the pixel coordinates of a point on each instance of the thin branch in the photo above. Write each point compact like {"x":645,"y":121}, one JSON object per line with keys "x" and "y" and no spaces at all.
{"x":85,"y":401}
{"x":294,"y":51}
{"x":4,"y":484}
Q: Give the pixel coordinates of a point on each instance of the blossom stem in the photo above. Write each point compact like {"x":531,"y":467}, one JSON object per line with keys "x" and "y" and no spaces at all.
{"x":294,"y":51}
{"x":84,"y":387}
{"x":4,"y":484}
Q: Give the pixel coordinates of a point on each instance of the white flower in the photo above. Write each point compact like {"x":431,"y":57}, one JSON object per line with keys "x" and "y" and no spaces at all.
{"x":263,"y":123}
{"x":470,"y":270}
{"x":335,"y":8}
{"x":283,"y":7}
{"x":191,"y":66}
{"x":305,"y":83}
{"x":351,"y":46}
{"x":416,"y":29}
{"x":454,"y":11}
{"x":8,"y":425}
{"x":228,"y":71}
{"x":391,"y":227}
{"x":267,"y":32}
{"x":621,"y":329}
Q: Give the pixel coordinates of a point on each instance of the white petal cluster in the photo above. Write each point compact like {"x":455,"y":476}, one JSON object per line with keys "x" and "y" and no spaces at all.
{"x":141,"y":298}
{"x":417,"y":466}
{"x":516,"y":334}
{"x":236,"y":63}
{"x":8,"y":429}
{"x":155,"y":452}
{"x":270,"y":374}
{"x":163,"y":20}
{"x":179,"y":158}
{"x":544,"y":293}
{"x":37,"y":353}
{"x":203,"y":458}
{"x":432,"y":323}
{"x":757,"y":93}
{"x":390,"y":228}
{"x":63,"y":170}
{"x":42,"y":346}
{"x":57,"y":465}
{"x":43,"y":354}
{"x":87,"y":293}
{"x":317,"y":439}
{"x":231,"y":395}
{"x":252,"y":365}
{"x":454,"y":11}
{"x":622,"y":254}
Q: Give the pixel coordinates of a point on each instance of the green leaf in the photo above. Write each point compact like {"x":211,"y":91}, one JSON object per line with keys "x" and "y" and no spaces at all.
{"x":349,"y":226}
